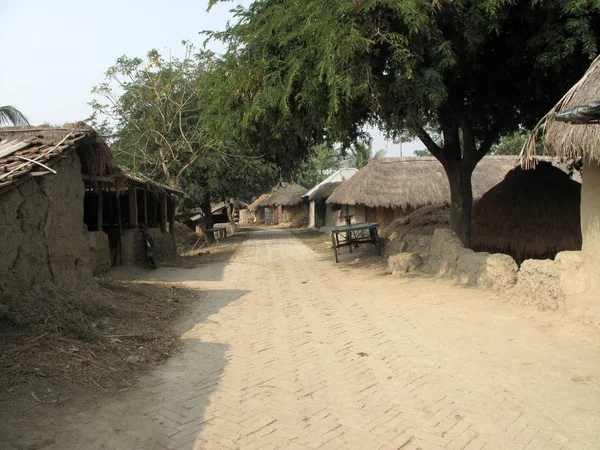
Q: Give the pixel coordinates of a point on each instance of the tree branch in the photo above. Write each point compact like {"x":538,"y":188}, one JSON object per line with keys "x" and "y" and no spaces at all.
{"x":430,"y":144}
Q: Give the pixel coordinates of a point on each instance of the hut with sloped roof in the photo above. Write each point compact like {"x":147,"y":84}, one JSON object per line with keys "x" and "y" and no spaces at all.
{"x":283,"y":204}
{"x":77,"y":212}
{"x":322,"y":216}
{"x":572,"y":132}
{"x":389,"y":188}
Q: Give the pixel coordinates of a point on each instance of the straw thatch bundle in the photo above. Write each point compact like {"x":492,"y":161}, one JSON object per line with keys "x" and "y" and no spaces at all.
{"x":413,"y":182}
{"x":286,"y":194}
{"x":323,"y":192}
{"x":423,"y":221}
{"x":564,"y":139}
{"x":530,"y":214}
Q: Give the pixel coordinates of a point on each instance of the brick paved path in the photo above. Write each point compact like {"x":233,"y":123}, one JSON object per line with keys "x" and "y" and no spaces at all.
{"x":287,"y":350}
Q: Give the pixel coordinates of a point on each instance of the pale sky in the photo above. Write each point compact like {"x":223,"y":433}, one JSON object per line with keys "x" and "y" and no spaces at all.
{"x":53,"y":53}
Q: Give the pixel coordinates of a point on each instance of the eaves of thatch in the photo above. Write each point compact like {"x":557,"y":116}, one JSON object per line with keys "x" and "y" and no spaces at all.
{"x":414,"y":182}
{"x":567,"y":140}
{"x":145,"y":183}
{"x":27,"y":152}
{"x":323,"y":191}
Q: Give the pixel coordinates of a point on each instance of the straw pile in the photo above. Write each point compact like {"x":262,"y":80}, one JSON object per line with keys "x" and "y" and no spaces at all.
{"x":424,"y":221}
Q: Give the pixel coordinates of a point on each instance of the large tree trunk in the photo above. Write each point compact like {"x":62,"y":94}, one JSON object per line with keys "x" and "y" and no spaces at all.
{"x":208,"y":219}
{"x":461,"y":200}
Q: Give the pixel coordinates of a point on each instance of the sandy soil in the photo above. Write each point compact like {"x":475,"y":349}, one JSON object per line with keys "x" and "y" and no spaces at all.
{"x":285,"y":349}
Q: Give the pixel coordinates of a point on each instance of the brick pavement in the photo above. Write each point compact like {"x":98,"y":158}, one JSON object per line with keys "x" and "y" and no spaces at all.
{"x":289,"y":351}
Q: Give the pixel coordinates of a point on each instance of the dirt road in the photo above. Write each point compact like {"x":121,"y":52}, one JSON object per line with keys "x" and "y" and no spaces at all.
{"x":287,"y":350}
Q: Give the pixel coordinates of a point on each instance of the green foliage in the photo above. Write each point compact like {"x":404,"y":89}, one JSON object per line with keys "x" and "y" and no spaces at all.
{"x":510,"y":144}
{"x":9,"y":116}
{"x":472,"y":70}
{"x":324,"y":160}
{"x":362,"y":152}
{"x":422,"y":153}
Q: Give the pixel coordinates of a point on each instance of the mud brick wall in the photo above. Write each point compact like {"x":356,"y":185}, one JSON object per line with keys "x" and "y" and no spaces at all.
{"x":43,"y":240}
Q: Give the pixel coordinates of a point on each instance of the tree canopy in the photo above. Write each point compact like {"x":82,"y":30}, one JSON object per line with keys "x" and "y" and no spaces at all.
{"x":472,"y":71}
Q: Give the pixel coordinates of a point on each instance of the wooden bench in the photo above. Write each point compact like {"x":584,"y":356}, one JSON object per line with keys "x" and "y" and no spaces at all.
{"x":353,"y":235}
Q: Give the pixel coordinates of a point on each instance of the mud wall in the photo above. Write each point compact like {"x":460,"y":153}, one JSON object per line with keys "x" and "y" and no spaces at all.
{"x":99,"y":252}
{"x":43,"y":240}
{"x":133,"y":250}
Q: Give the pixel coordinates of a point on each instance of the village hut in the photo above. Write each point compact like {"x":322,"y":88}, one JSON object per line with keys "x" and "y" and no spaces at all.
{"x":322,"y":216}
{"x":389,"y":188}
{"x":283,"y":204}
{"x":256,"y":210}
{"x":530,"y":214}
{"x":576,"y":137}
{"x":44,"y":173}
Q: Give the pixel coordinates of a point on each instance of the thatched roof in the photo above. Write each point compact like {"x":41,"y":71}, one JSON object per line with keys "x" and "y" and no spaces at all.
{"x":414,"y":181}
{"x":566,"y":140}
{"x":146,"y":183}
{"x":26,"y":152}
{"x":285,"y":194}
{"x":424,"y":221}
{"x":323,"y":191}
{"x":530,"y":214}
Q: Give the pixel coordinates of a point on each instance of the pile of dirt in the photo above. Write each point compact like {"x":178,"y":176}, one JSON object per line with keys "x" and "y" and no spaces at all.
{"x":103,"y":337}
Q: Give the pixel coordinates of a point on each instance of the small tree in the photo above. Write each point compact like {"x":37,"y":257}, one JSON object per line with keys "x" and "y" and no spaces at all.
{"x":155,"y":108}
{"x":362,"y":152}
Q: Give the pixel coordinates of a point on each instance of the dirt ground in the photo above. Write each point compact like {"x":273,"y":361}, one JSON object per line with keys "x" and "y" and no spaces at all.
{"x":283,"y":348}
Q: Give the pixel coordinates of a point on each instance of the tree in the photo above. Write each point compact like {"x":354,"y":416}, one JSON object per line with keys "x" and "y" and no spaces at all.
{"x":9,"y":115}
{"x":323,"y":161}
{"x":511,"y":144}
{"x":470,"y":70}
{"x":155,"y":105}
{"x":362,"y":152}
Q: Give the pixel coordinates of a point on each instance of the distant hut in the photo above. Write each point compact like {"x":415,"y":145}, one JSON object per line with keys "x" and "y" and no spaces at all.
{"x":284,"y":203}
{"x":321,"y":215}
{"x":579,"y":139}
{"x":389,"y":188}
{"x":530,"y":214}
{"x":257,"y":210}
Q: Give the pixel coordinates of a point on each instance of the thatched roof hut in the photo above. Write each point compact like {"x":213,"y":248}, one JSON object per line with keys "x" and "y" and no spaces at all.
{"x":413,"y":182}
{"x":285,"y":194}
{"x":564,"y":139}
{"x":257,"y":203}
{"x":323,"y":192}
{"x":530,"y":214}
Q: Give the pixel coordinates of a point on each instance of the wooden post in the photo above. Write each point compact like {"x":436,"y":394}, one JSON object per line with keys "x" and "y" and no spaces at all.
{"x":99,"y":209}
{"x":163,"y":212}
{"x":120,"y":243}
{"x":145,"y":207}
{"x":154,"y":210}
{"x":172,"y":223}
{"x":133,"y":211}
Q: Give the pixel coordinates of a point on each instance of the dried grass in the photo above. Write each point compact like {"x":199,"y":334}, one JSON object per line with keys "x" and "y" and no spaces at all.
{"x":569,"y":141}
{"x":423,"y":221}
{"x":101,"y":337}
{"x":413,"y":182}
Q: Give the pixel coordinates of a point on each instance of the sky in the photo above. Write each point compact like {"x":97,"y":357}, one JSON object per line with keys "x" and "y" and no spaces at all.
{"x":53,"y":53}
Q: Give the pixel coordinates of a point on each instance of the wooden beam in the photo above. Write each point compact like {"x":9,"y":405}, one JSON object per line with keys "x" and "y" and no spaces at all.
{"x":110,"y":180}
{"x":163,"y":212}
{"x":120,"y":243}
{"x":154,"y":210}
{"x":133,"y":211}
{"x":145,"y":207}
{"x":99,"y":208}
{"x":172,"y":222}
